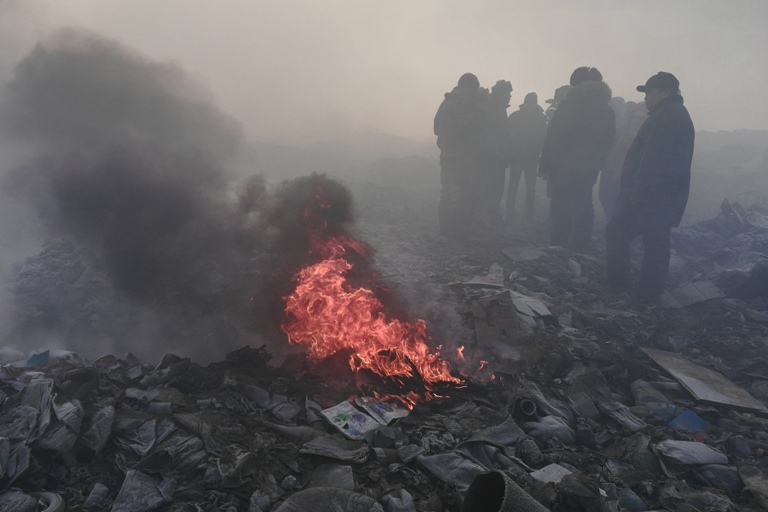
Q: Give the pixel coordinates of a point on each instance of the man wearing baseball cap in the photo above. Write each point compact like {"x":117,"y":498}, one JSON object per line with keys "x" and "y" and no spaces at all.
{"x":655,"y":183}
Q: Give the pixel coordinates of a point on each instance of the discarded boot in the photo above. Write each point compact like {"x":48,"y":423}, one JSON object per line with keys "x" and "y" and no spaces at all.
{"x":496,"y":492}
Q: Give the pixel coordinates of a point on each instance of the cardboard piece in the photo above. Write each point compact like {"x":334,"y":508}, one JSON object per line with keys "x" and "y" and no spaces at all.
{"x":705,"y":384}
{"x":494,"y":278}
{"x":506,"y":315}
{"x":691,"y":293}
{"x":550,"y":474}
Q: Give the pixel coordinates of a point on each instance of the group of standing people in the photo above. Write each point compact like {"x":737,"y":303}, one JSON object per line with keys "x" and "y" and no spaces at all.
{"x":643,"y":165}
{"x":478,"y":142}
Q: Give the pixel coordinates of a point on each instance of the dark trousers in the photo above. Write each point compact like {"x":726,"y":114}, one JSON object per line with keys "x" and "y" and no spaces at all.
{"x":571,"y":213}
{"x":458,"y":195}
{"x":622,"y":229}
{"x":493,"y":190}
{"x":529,"y":168}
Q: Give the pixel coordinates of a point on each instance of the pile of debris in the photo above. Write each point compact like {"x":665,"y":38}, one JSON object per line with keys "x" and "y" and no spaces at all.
{"x":586,"y":401}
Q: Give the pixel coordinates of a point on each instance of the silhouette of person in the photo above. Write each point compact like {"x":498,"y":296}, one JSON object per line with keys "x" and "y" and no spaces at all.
{"x":457,"y":126}
{"x":655,"y":183}
{"x":579,"y":138}
{"x":528,"y":127}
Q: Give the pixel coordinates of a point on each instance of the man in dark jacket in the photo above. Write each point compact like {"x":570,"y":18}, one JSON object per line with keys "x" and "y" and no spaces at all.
{"x":655,"y":182}
{"x":457,"y":126}
{"x":528,"y":127}
{"x":495,"y":157}
{"x":579,"y":137}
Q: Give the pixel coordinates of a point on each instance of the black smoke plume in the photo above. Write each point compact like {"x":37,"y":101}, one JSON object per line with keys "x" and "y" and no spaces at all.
{"x":154,"y":244}
{"x":129,"y":160}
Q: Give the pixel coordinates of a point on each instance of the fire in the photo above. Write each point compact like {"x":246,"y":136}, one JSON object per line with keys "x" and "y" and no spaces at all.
{"x":328,"y":314}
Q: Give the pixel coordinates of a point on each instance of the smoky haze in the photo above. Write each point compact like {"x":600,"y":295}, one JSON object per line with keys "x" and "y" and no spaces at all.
{"x":126,"y":143}
{"x":301,"y":71}
{"x":128,"y":167}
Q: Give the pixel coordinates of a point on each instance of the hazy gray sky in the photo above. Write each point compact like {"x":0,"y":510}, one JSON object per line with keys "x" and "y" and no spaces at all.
{"x":306,"y":70}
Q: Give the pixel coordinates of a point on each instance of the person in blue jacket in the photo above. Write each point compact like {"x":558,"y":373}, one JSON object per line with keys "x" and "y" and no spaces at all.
{"x":655,"y":184}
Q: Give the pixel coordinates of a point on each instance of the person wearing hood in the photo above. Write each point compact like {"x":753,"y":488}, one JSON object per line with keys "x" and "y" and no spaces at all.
{"x":579,"y":137}
{"x":527,"y":127}
{"x":457,"y":125}
{"x":655,"y":183}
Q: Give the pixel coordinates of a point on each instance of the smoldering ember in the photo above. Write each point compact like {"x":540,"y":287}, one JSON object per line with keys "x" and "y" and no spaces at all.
{"x":315,"y":345}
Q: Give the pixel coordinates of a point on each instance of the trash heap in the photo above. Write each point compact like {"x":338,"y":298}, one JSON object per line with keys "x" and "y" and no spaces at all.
{"x":588,"y":404}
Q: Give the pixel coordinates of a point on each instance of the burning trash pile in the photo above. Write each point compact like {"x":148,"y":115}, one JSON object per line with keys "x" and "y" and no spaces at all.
{"x":583,"y":402}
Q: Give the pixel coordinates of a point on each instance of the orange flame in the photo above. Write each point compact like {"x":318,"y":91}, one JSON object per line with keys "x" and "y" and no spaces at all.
{"x":328,"y":314}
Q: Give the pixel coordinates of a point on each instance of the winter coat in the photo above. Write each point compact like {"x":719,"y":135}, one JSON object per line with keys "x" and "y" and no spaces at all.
{"x":579,"y":136}
{"x":527,"y":127}
{"x":495,"y":130}
{"x":457,"y":123}
{"x":656,"y":177}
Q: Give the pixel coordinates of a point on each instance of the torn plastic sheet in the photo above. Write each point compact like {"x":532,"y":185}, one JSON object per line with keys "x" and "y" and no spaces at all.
{"x":504,"y":434}
{"x":40,"y":359}
{"x":481,"y":453}
{"x":285,"y":410}
{"x":62,"y":435}
{"x":97,"y":497}
{"x":97,"y":435}
{"x":37,"y":394}
{"x":337,"y":448}
{"x":329,"y":499}
{"x":20,"y":423}
{"x":236,"y":466}
{"x":17,"y":501}
{"x":212,"y":446}
{"x":59,"y":439}
{"x":550,"y":427}
{"x":140,"y":440}
{"x":333,"y":475}
{"x":142,"y":395}
{"x":186,"y":452}
{"x":18,"y":462}
{"x":452,"y":467}
{"x":756,"y":482}
{"x":143,"y":438}
{"x":142,"y":492}
{"x":69,"y":413}
{"x":621,"y":414}
{"x":399,"y":500}
{"x":259,"y":396}
{"x":690,"y":452}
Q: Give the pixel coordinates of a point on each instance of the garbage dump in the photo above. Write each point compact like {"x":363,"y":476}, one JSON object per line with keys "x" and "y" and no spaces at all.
{"x":585,"y":402}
